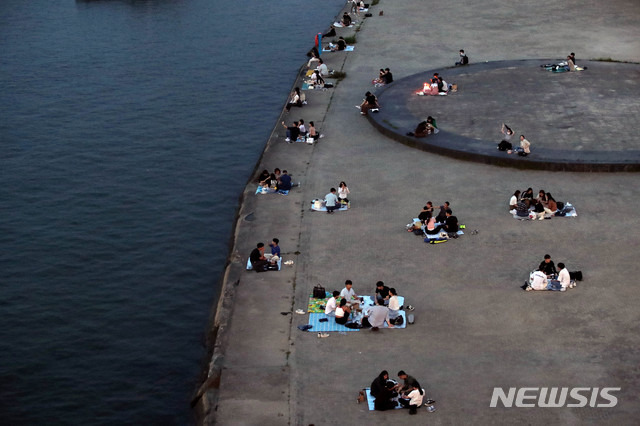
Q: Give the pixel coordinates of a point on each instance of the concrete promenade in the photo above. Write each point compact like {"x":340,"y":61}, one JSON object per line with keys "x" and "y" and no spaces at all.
{"x":475,"y":328}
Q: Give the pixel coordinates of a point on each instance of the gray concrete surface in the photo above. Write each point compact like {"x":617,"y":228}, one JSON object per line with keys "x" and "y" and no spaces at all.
{"x":475,"y":329}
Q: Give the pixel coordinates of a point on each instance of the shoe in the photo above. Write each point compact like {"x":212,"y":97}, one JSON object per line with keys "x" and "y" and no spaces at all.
{"x":410,"y":308}
{"x":323,"y":335}
{"x":374,"y":329}
{"x":529,"y":289}
{"x":321,"y":136}
{"x":563,"y":289}
{"x":287,"y":140}
{"x":524,"y":286}
{"x":431,"y":408}
{"x":300,"y":312}
{"x":429,"y":402}
{"x":363,"y":113}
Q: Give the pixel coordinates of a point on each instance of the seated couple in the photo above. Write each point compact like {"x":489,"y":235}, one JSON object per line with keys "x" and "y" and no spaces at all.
{"x":349,"y":303}
{"x":436,"y":86}
{"x":425,"y":128}
{"x":388,"y":393}
{"x":384,"y":77}
{"x":261,"y":262}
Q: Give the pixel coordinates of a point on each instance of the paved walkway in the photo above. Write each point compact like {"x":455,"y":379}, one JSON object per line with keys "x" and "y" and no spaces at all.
{"x":475,"y":329}
{"x":583,"y":121}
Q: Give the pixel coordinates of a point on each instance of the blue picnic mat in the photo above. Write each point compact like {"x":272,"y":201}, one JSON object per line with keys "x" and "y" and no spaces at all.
{"x":331,"y":325}
{"x":250,"y":267}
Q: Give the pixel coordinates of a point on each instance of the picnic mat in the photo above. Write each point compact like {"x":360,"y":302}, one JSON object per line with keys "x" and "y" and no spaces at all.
{"x":317,"y":305}
{"x":249,"y":267}
{"x":343,"y":207}
{"x":347,"y":49}
{"x":271,"y":191}
{"x":330,"y":325}
{"x":571,"y":213}
{"x":371,"y":400}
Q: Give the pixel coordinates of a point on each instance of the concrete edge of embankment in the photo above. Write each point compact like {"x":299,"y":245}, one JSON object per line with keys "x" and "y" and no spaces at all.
{"x":205,"y":398}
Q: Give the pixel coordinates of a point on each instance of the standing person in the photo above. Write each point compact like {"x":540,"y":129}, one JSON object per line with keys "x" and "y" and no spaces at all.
{"x":296,"y":99}
{"x":292,"y":132}
{"x":343,"y":193}
{"x":331,"y":201}
{"x":464,"y":60}
{"x":259,"y":263}
{"x":370,"y":102}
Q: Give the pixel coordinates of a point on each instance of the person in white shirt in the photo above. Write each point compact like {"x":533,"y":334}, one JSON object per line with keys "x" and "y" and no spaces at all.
{"x":413,"y":399}
{"x":330,"y":309}
{"x":343,"y":192}
{"x":350,"y":295}
{"x":538,"y":281}
{"x":563,"y":277}
{"x":322,"y":67}
{"x":513,"y":202}
{"x":394,"y":304}
{"x":342,"y":312}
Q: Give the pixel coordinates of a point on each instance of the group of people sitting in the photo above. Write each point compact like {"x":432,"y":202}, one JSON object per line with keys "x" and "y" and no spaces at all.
{"x":566,"y":66}
{"x":430,"y":224}
{"x":336,"y":199}
{"x":298,"y":132}
{"x":261,"y":262}
{"x":385,"y":310}
{"x":547,"y":277}
{"x":505,"y":144}
{"x":424,"y":128}
{"x":436,"y":86}
{"x":276,"y":181}
{"x":384,"y":77}
{"x":544,"y":206}
{"x":321,"y":67}
{"x":389,"y":394}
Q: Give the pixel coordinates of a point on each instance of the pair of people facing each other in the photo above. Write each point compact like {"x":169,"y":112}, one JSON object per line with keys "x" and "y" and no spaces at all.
{"x":425,"y":128}
{"x":385,"y":391}
{"x":260,"y":261}
{"x":333,"y":201}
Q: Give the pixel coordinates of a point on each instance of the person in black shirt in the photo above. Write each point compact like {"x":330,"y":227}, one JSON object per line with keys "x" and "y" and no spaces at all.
{"x":346,"y":19}
{"x":292,"y":132}
{"x":547,"y":266}
{"x":451,"y":224}
{"x":464,"y":60}
{"x":387,"y":77}
{"x":370,"y":102}
{"x":382,"y":293}
{"x":258,"y":262}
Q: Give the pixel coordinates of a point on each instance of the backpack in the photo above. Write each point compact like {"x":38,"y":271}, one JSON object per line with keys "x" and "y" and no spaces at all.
{"x":575,"y":275}
{"x":319,"y":292}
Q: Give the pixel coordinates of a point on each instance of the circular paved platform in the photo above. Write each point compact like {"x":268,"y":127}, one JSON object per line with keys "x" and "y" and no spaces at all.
{"x":582,"y":121}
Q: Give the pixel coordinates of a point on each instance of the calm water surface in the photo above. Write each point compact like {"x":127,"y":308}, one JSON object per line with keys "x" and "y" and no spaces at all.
{"x":128,"y":130}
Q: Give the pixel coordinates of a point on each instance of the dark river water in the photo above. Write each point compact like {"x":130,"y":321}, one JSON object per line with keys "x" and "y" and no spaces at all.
{"x":128,"y":129}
